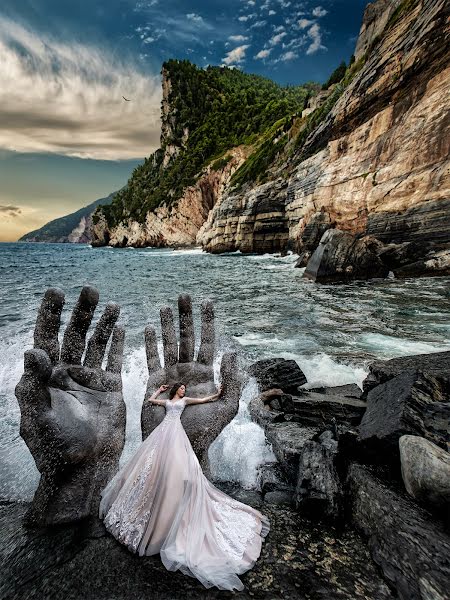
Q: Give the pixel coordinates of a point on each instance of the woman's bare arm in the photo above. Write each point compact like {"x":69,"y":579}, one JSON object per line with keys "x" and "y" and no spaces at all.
{"x":211,"y":398}
{"x":153,"y":398}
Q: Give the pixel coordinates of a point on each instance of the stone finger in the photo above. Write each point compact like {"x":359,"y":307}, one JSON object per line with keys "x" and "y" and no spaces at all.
{"x":169,"y":337}
{"x":32,"y":390}
{"x":151,"y":349}
{"x":115,"y":356}
{"x":207,"y":340}
{"x":99,"y":339}
{"x":48,"y":323}
{"x":75,"y":335}
{"x":187,"y":335}
{"x":229,"y":373}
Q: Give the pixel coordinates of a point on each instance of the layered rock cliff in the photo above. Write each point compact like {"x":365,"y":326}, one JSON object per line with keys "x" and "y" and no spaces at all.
{"x":369,"y":157}
{"x":379,"y":162}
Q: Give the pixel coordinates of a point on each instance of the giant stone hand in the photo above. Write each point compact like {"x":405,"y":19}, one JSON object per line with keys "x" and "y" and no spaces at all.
{"x":72,"y":413}
{"x":202,"y":422}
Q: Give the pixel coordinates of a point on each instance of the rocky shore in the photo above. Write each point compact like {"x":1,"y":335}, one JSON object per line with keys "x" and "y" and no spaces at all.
{"x":358,"y":501}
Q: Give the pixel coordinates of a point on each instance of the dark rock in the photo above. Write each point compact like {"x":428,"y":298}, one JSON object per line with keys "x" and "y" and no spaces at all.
{"x":410,"y":547}
{"x":323,"y":410}
{"x":295,"y":563}
{"x":272,"y":479}
{"x":341,"y":257}
{"x":287,"y":441}
{"x":278,"y":497}
{"x":302,"y":259}
{"x":411,"y":403}
{"x":351,"y":390}
{"x":277,"y":373}
{"x":380,"y":371}
{"x":262,"y":413}
{"x":72,"y":411}
{"x":316,"y":226}
{"x":426,"y":472}
{"x":318,"y":490}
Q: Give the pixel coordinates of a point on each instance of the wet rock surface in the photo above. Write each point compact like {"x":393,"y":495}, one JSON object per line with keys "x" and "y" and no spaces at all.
{"x":410,"y":546}
{"x":277,"y":373}
{"x":299,"y":560}
{"x":341,"y":257}
{"x":412,"y":403}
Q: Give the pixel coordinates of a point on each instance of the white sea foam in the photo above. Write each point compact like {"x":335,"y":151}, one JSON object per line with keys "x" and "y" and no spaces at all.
{"x":241,"y":446}
{"x":387,"y":346}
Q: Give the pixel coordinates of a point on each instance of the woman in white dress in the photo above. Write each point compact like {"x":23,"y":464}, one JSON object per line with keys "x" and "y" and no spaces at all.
{"x":161,"y":501}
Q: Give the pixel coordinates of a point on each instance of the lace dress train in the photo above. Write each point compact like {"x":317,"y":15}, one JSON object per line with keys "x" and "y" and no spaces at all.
{"x":160,"y":501}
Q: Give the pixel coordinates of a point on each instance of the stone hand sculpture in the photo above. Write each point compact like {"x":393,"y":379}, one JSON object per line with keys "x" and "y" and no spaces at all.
{"x":72,"y":411}
{"x":202,"y":422}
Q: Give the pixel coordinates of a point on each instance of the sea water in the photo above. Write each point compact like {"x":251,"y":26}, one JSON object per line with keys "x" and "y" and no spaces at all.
{"x":263,"y":307}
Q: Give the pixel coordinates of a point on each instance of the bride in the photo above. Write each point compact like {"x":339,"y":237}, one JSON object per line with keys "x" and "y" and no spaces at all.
{"x":161,"y":501}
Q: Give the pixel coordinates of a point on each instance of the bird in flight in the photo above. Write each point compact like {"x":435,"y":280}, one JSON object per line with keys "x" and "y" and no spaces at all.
{"x":126,"y":99}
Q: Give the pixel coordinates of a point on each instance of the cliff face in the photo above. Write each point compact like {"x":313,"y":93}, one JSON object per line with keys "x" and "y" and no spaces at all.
{"x":174,"y":225}
{"x":382,"y":165}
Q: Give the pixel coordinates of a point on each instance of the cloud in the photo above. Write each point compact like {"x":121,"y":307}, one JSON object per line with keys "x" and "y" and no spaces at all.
{"x":258,"y":24}
{"x":319,"y":12}
{"x":276,"y":39}
{"x":235,"y":56}
{"x":194,"y":17}
{"x":10,"y":210}
{"x":271,"y":13}
{"x":66,"y":98}
{"x":263,"y":53}
{"x":304,"y":23}
{"x":243,"y":18}
{"x":287,"y":56}
{"x":316,"y":36}
{"x":238,"y":38}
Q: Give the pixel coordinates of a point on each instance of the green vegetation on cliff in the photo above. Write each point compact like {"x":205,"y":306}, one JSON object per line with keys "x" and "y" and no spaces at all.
{"x":208,"y":112}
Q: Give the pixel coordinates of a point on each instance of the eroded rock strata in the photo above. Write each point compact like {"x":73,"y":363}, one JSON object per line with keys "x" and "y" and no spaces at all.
{"x":375,"y":161}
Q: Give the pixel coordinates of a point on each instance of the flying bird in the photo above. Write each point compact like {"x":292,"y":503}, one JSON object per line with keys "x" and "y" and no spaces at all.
{"x":126,"y":99}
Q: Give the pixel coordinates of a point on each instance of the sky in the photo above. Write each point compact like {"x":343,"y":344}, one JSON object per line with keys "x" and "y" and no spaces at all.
{"x":68,"y":137}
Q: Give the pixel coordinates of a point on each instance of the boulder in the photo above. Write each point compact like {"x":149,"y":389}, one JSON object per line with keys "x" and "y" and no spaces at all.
{"x":287,"y":441}
{"x":277,"y":373}
{"x":426,"y":471}
{"x":271,"y":478}
{"x":380,"y":371}
{"x":324,"y":410}
{"x":341,"y":257}
{"x":318,"y":490}
{"x":316,"y":226}
{"x":411,"y":403}
{"x":350,"y":390}
{"x":263,"y":414}
{"x":410,"y":547}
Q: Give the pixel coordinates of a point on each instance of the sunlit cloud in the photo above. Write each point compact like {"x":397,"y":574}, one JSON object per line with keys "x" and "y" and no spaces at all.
{"x":304,"y":23}
{"x":263,"y":54}
{"x":235,"y":56}
{"x":66,"y":98}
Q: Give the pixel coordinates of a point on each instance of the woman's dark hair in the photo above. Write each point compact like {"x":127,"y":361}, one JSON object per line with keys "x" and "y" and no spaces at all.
{"x":174,"y":389}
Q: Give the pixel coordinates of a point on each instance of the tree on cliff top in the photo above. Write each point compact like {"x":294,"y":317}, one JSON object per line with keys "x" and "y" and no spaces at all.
{"x":209,"y":111}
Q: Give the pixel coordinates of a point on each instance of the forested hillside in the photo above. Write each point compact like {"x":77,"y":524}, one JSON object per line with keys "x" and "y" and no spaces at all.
{"x":205,"y":113}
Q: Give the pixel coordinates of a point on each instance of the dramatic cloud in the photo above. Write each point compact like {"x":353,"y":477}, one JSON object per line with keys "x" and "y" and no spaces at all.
{"x":316,"y":36}
{"x":319,"y":12}
{"x":235,"y":56}
{"x":263,"y":53}
{"x":10,"y":210}
{"x":66,"y":98}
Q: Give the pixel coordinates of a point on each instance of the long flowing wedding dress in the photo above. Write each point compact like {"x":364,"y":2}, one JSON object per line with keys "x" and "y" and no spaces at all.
{"x":161,"y":501}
